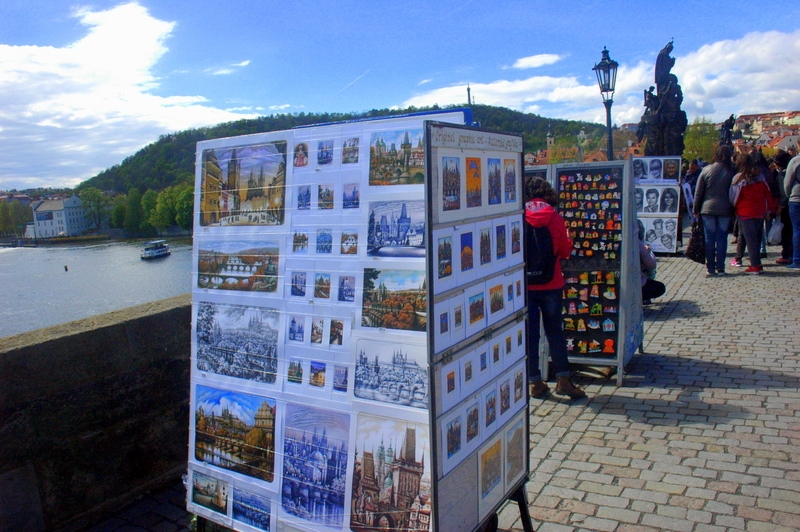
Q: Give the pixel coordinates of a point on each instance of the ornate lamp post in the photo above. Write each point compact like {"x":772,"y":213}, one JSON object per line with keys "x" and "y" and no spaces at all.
{"x":606,"y":71}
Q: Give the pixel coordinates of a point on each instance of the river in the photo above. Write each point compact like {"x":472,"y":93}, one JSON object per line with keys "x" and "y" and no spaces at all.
{"x":37,"y":290}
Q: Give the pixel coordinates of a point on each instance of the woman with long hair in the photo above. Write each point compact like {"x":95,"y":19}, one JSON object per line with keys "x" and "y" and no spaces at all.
{"x":754,"y":202}
{"x":712,"y":206}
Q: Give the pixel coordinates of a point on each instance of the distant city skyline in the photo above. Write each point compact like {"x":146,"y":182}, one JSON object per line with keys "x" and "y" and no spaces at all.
{"x":86,"y":87}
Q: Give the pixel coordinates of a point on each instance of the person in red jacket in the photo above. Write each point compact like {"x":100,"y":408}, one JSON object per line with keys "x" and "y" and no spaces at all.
{"x":545,"y":299}
{"x":753,"y":204}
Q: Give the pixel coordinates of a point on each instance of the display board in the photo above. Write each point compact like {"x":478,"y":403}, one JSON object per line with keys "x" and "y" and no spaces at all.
{"x":602,"y":302}
{"x":310,"y":379}
{"x":657,"y":196}
{"x":476,"y":336}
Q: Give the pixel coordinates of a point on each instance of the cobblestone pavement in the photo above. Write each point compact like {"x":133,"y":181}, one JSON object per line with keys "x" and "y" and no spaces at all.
{"x":704,"y":433}
{"x":702,"y":436}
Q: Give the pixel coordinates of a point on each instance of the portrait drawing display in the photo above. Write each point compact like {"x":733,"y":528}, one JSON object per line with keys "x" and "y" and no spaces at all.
{"x":391,"y":475}
{"x":397,"y":158}
{"x":393,"y":373}
{"x":394,"y":299}
{"x":237,"y":341}
{"x":238,"y":265}
{"x":244,"y":185}
{"x":235,"y":431}
{"x":315,"y":448}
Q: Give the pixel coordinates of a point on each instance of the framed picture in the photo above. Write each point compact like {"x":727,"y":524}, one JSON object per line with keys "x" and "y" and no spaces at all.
{"x":464,"y":239}
{"x":444,"y":268}
{"x":490,"y":475}
{"x":475,"y":303}
{"x":450,"y":375}
{"x":392,"y":371}
{"x":453,"y":428}
{"x":514,"y":435}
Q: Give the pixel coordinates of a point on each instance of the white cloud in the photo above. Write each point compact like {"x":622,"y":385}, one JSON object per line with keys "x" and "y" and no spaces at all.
{"x":70,"y":112}
{"x":757,"y":73}
{"x":424,"y":81}
{"x":535,"y":61}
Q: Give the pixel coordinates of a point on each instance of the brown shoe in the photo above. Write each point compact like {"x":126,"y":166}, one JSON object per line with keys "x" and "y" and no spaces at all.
{"x":564,"y":386}
{"x":538,"y":390}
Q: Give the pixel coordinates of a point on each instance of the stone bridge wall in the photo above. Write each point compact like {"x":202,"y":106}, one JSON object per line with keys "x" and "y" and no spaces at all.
{"x":92,"y":413}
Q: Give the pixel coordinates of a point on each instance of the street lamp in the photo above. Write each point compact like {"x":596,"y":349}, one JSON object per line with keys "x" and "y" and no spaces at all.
{"x":606,"y":71}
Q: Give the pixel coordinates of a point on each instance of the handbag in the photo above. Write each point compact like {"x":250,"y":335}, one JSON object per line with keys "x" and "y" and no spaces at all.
{"x":774,"y":235}
{"x":696,"y":249}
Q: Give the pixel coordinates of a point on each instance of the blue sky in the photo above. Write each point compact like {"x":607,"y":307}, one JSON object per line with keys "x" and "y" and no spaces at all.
{"x":85,"y":85}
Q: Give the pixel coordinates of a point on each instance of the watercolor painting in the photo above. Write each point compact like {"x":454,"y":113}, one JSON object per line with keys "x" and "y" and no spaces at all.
{"x":451,"y":183}
{"x":210,"y":492}
{"x":298,"y":280}
{"x":350,"y":150}
{"x":296,"y":328}
{"x":235,"y":431}
{"x":346,"y":292}
{"x":516,"y":237}
{"x":396,"y":229}
{"x":495,"y":189}
{"x":391,"y":481}
{"x":491,"y":462}
{"x":444,"y":253}
{"x":474,"y":182}
{"x":303,"y":197}
{"x":496,"y":299}
{"x":300,"y":157}
{"x":243,"y":185}
{"x":315,"y":452}
{"x":397,"y":158}
{"x":500,"y":241}
{"x":349,"y":242}
{"x":515,"y":451}
{"x":336,"y":333}
{"x":477,"y":307}
{"x":453,"y":436}
{"x":467,"y":252}
{"x":317,"y":330}
{"x":485,"y":243}
{"x":392,"y":373}
{"x":237,"y":341}
{"x":300,"y":241}
{"x":316,"y":374}
{"x":394,"y":299}
{"x":340,"y":375}
{"x":324,"y":152}
{"x":510,"y":180}
{"x":325,"y":196}
{"x":351,"y":196}
{"x":322,"y":286}
{"x":294,"y":375}
{"x":252,"y":509}
{"x":473,"y":421}
{"x":324,"y":243}
{"x":238,"y":265}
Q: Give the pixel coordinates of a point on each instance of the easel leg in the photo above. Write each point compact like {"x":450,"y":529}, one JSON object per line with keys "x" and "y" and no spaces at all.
{"x":522,"y":501}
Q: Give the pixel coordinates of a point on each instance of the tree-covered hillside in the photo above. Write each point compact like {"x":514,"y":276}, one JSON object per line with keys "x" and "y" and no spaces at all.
{"x":170,"y":160}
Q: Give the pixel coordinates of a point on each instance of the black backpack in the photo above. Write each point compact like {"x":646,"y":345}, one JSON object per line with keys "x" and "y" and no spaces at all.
{"x":540,"y":261}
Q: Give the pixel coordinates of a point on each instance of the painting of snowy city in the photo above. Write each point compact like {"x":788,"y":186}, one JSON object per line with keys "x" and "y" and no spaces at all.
{"x":210,"y":492}
{"x":235,"y":431}
{"x":238,"y":265}
{"x":391,"y":476}
{"x":394,"y":299}
{"x":396,"y":228}
{"x":237,"y":341}
{"x":315,"y":464}
{"x":252,"y":509}
{"x":244,"y":185}
{"x":397,"y":158}
{"x":392,"y":372}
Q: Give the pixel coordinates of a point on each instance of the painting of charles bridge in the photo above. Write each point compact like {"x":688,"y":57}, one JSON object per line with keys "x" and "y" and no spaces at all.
{"x":315,"y":464}
{"x":235,"y":431}
{"x":397,"y":158}
{"x":238,"y":265}
{"x":396,"y":229}
{"x":391,"y":488}
{"x":394,"y":299}
{"x":237,"y":341}
{"x":244,"y":185}
{"x":392,"y":373}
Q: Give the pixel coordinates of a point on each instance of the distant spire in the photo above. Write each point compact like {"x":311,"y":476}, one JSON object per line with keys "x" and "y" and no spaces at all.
{"x":469,"y":98}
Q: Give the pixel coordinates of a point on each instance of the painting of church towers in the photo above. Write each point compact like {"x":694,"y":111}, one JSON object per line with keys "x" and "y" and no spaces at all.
{"x":391,"y":487}
{"x":397,"y":158}
{"x":243,"y":186}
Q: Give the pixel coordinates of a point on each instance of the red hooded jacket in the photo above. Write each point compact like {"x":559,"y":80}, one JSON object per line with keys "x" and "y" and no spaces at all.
{"x":539,"y":214}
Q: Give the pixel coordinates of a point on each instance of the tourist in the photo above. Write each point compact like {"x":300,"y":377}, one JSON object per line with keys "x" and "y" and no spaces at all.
{"x":753,"y":203}
{"x":791,"y":187}
{"x":781,"y":162}
{"x":712,"y":206}
{"x":651,"y":289}
{"x":545,"y":300}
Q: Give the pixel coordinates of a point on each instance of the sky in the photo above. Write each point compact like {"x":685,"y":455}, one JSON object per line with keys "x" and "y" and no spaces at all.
{"x":83,"y":86}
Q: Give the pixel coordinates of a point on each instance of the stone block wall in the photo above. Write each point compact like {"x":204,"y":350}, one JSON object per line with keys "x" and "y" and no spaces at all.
{"x":92,"y":413}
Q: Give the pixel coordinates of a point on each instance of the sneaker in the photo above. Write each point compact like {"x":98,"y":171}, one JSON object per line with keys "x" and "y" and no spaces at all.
{"x":754,"y":270}
{"x":711,"y":274}
{"x":737,"y":263}
{"x":721,"y":272}
{"x":793,"y":266}
{"x":538,"y":390}
{"x":564,"y":386}
{"x":783,"y":260}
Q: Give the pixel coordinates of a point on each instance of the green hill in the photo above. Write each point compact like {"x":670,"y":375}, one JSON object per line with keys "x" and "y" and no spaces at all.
{"x":170,"y":160}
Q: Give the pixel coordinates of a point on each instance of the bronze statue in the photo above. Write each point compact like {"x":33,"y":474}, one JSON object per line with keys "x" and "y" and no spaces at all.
{"x":726,"y":131}
{"x":663,"y":122}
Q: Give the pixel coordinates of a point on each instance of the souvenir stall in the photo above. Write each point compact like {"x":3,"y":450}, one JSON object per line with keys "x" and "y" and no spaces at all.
{"x":602,"y":299}
{"x":342,"y":378}
{"x":657,"y":195}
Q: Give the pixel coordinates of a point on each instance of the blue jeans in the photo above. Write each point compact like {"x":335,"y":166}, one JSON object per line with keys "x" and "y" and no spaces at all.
{"x":794,"y":215}
{"x":548,"y":304}
{"x":716,"y":230}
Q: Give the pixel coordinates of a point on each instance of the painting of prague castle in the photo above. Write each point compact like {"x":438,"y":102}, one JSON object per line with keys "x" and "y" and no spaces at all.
{"x":397,"y":158}
{"x":396,"y":229}
{"x":392,"y":373}
{"x":391,"y":476}
{"x":245,"y":185}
